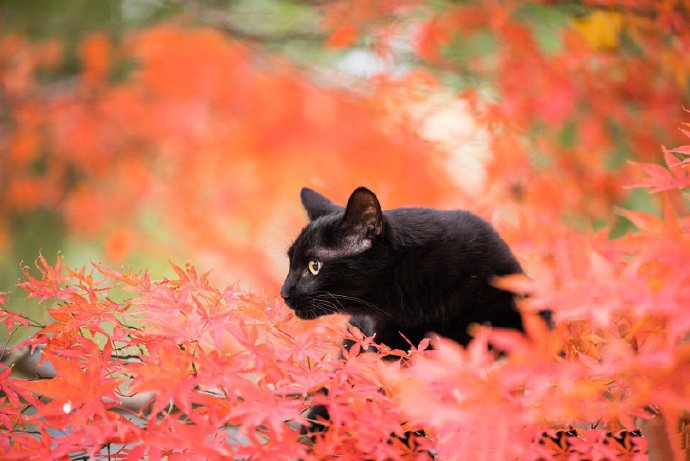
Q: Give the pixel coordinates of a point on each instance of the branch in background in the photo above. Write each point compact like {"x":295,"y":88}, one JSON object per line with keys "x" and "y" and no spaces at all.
{"x":25,"y":363}
{"x":229,"y":23}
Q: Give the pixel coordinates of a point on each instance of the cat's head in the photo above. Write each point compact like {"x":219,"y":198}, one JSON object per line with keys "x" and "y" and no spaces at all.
{"x":338,"y":257}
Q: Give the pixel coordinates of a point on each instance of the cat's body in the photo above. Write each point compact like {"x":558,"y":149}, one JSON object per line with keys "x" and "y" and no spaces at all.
{"x":409,"y":271}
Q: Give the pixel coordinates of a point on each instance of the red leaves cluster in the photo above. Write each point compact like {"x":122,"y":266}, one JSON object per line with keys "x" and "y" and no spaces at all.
{"x":178,"y":368}
{"x":620,"y":348}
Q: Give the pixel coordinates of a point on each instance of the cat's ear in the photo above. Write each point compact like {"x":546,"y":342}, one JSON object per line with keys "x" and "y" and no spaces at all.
{"x":363,"y":217}
{"x":316,"y":204}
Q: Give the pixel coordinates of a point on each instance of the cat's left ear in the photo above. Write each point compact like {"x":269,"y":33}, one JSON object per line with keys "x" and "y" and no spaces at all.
{"x":363,"y":217}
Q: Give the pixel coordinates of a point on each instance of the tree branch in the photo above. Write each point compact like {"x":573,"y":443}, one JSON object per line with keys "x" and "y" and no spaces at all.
{"x":227,"y":22}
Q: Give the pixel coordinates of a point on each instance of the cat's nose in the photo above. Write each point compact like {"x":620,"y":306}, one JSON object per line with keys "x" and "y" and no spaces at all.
{"x":289,"y":300}
{"x":285,"y":292}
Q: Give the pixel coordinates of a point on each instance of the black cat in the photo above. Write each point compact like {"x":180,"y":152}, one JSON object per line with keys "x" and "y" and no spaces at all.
{"x":408,"y":270}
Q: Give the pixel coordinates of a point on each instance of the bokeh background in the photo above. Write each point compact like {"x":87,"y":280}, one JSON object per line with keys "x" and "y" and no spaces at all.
{"x":135,"y":132}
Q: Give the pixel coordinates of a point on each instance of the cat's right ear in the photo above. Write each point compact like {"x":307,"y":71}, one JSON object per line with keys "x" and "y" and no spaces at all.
{"x":316,"y":204}
{"x":363,"y":217}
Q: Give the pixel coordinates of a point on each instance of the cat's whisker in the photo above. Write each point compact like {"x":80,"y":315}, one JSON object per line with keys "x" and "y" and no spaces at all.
{"x":319,"y":305}
{"x":320,"y":296}
{"x":328,"y":307}
{"x":323,"y":306}
{"x":315,"y":307}
{"x":359,"y":300}
{"x":339,"y":304}
{"x":331,"y":305}
{"x":352,"y":298}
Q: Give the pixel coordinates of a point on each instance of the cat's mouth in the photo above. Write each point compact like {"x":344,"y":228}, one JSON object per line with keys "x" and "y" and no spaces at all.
{"x":308,"y":309}
{"x":307,"y":314}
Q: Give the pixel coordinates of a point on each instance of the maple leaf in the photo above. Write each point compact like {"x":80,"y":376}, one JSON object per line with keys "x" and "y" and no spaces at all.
{"x":43,"y":447}
{"x":343,"y":37}
{"x":50,"y":284}
{"x":9,"y":318}
{"x":601,"y":29}
{"x":676,"y":175}
{"x":14,"y":390}
{"x":650,"y":224}
{"x":80,"y":386}
{"x":265,"y":408}
{"x":168,"y":372}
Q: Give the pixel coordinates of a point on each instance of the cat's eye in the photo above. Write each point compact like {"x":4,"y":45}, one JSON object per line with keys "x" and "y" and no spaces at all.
{"x":314,"y":266}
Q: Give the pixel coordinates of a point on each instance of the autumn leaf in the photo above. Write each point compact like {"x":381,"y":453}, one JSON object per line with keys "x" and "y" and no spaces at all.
{"x":676,"y":175}
{"x":343,"y":37}
{"x":50,"y":283}
{"x":600,"y":29}
{"x":95,"y":54}
{"x":169,"y":373}
{"x":9,"y":319}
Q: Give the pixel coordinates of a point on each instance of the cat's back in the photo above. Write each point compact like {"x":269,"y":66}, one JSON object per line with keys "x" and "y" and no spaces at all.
{"x":450,"y":235}
{"x":416,"y":225}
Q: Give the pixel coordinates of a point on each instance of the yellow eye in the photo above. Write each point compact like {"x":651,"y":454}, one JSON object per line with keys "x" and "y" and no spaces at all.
{"x":314,"y":266}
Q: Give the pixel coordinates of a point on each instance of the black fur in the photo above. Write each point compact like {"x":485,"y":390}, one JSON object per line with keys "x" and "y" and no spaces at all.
{"x":407,"y":270}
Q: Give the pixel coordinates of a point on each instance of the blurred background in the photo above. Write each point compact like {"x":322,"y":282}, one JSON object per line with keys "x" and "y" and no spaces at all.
{"x":135,"y":132}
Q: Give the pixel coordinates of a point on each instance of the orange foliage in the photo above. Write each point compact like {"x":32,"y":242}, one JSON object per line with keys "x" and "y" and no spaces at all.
{"x":200,"y":146}
{"x":198,"y":109}
{"x":204,"y":140}
{"x":563,"y":116}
